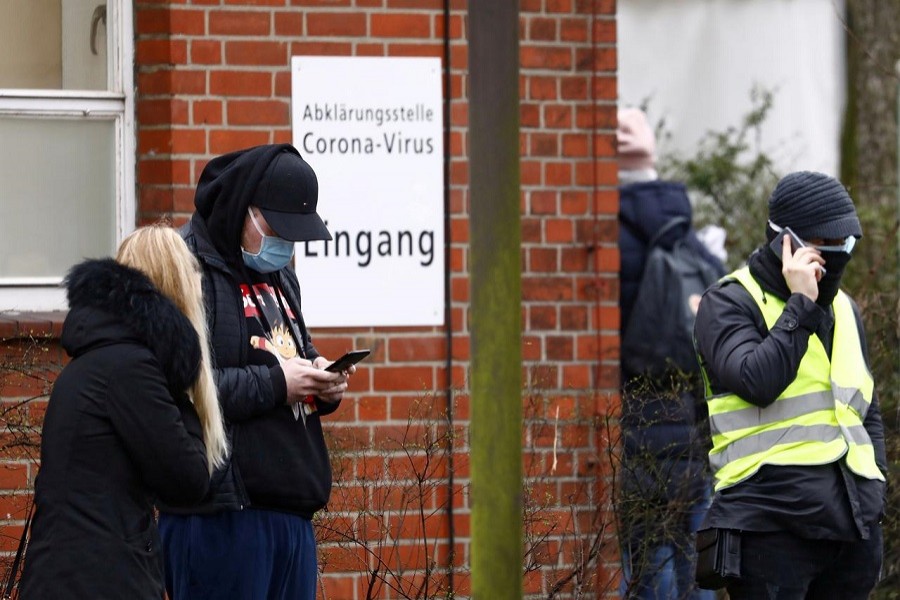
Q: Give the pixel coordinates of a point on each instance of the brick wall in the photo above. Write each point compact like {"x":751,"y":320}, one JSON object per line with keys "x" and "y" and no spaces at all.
{"x":213,"y":76}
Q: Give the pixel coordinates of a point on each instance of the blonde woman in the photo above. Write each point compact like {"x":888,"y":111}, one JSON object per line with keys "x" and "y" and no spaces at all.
{"x":133,"y":419}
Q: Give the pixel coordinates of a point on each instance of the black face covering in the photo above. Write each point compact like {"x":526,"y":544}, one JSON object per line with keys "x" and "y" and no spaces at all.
{"x":835,"y":263}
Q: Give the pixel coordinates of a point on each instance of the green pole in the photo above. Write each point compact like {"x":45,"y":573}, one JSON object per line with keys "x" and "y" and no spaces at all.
{"x":494,"y":317}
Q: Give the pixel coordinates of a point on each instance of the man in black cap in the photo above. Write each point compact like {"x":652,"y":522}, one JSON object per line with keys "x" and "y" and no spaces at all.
{"x":252,"y":537}
{"x":798,"y":442}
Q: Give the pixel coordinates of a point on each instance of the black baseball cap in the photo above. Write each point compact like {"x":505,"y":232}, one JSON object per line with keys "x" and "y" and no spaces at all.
{"x":287,"y":198}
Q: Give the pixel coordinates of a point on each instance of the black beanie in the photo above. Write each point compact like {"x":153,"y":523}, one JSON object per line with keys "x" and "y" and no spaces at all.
{"x":814,"y":205}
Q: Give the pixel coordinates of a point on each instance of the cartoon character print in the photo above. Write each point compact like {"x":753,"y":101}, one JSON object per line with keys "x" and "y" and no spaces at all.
{"x":260,"y":304}
{"x":280,"y":343}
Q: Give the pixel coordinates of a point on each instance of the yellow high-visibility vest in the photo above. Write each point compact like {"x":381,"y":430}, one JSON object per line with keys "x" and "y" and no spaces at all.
{"x":817,"y":420}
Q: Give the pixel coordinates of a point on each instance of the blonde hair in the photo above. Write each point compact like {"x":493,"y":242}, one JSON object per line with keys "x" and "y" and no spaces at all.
{"x":160,"y":253}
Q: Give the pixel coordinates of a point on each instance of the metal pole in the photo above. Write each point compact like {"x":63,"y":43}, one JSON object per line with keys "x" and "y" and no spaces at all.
{"x":495,"y":319}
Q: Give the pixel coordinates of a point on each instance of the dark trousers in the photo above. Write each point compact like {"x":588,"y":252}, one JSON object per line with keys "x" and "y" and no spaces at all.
{"x":247,"y":555}
{"x":781,"y":566}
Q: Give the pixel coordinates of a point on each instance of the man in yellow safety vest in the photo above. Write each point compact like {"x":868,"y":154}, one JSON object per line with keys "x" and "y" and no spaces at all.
{"x":798,"y":442}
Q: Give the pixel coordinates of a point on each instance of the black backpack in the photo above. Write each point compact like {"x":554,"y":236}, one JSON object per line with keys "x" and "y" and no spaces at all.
{"x":659,"y":334}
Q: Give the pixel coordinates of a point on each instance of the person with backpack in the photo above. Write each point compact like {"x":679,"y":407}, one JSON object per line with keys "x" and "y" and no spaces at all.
{"x":663,"y":480}
{"x":798,"y":441}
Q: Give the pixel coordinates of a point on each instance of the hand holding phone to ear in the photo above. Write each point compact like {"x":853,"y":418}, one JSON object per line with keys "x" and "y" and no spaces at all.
{"x":802,"y":266}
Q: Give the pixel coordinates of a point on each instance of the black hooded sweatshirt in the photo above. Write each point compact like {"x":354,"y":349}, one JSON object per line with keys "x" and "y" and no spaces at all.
{"x":119,"y":434}
{"x":279,"y":459}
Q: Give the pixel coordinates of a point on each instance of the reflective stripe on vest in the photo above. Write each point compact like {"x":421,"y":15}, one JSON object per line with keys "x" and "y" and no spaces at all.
{"x":817,"y":419}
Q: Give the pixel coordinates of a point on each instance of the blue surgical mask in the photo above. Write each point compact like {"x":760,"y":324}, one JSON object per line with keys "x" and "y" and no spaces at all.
{"x":274,"y":253}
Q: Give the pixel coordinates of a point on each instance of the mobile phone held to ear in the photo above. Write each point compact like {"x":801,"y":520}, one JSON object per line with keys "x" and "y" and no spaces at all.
{"x":796,"y":243}
{"x":776,"y":244}
{"x":347,"y":360}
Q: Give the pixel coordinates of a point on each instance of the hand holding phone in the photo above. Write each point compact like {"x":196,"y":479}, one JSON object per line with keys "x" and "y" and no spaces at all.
{"x":347,"y":360}
{"x":777,"y":245}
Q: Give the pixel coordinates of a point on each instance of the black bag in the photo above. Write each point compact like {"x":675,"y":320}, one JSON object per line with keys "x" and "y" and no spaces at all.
{"x":660,"y":331}
{"x":718,"y":557}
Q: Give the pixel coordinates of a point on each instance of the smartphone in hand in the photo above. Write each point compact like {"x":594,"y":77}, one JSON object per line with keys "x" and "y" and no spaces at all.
{"x":347,"y":360}
{"x":796,"y":243}
{"x":777,"y":243}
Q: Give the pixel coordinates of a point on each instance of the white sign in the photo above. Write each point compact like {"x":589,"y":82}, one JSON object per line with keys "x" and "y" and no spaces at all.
{"x":371,"y":128}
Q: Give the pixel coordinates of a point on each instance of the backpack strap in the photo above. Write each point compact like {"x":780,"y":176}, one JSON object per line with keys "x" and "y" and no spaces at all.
{"x":669,"y":226}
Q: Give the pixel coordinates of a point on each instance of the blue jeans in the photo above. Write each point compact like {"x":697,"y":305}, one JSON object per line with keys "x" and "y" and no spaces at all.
{"x":665,"y":504}
{"x":247,"y":555}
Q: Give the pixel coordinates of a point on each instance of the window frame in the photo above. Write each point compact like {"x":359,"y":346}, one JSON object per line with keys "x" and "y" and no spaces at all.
{"x":27,"y":294}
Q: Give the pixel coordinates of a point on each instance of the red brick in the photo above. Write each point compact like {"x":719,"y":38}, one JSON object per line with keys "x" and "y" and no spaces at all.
{"x":419,"y":49}
{"x":558,"y":174}
{"x":206,"y":52}
{"x":596,"y":59}
{"x":256,"y":53}
{"x":543,"y":260}
{"x":336,"y":24}
{"x":559,"y":6}
{"x":576,"y":145}
{"x":574,"y":30}
{"x":558,"y":117}
{"x":559,"y":231}
{"x":544,"y":144}
{"x":321,"y":48}
{"x":542,"y":317}
{"x":542,"y":29}
{"x":187,"y":22}
{"x":162,"y":112}
{"x":606,"y":88}
{"x":222,"y":141}
{"x":13,"y":476}
{"x":151,"y":21}
{"x":605,"y":31}
{"x":574,"y":260}
{"x":546,"y":57}
{"x":227,"y":22}
{"x":289,"y":24}
{"x":547,"y":288}
{"x":240,"y":83}
{"x":542,"y":88}
{"x":164,"y":171}
{"x":604,"y":172}
{"x":256,"y":2}
{"x":417,"y":349}
{"x":172,"y":82}
{"x":370,"y":50}
{"x":421,"y":4}
{"x":206,"y":112}
{"x":155,"y":141}
{"x":188,"y":141}
{"x":400,"y":25}
{"x":574,"y":88}
{"x":456,"y":26}
{"x":257,"y":112}
{"x":560,"y":348}
{"x":160,"y":51}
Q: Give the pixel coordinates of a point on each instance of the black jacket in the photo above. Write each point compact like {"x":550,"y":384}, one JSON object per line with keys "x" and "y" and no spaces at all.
{"x":658,"y":417}
{"x":118,"y":434}
{"x":742,"y":356}
{"x":277,"y":462}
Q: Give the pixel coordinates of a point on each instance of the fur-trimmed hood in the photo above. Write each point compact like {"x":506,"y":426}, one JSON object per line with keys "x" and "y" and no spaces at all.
{"x":110,"y":303}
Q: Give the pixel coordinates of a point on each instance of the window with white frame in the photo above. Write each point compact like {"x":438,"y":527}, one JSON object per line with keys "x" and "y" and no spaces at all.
{"x":66,"y":142}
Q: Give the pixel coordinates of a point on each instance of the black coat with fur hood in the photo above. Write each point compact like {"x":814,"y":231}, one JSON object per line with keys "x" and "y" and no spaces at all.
{"x":119,"y":434}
